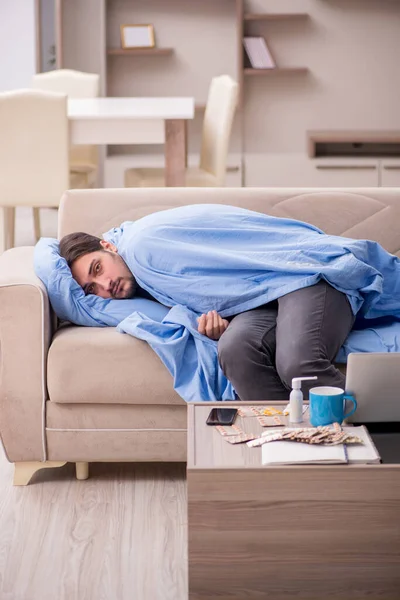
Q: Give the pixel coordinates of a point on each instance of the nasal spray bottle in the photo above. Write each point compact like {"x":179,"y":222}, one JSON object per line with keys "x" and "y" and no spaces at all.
{"x":296,"y":400}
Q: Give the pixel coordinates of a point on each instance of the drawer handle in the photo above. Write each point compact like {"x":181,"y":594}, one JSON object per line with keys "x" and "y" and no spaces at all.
{"x":348,"y":167}
{"x":392,"y":167}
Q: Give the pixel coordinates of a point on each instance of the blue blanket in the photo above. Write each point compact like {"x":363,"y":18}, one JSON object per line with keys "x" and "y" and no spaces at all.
{"x":213,"y":257}
{"x":191,"y":358}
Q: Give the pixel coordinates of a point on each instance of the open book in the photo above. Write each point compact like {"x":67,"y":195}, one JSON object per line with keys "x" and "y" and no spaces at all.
{"x":296,"y":453}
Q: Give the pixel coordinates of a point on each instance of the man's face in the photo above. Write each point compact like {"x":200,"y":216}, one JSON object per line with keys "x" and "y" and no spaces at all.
{"x":104,"y":273}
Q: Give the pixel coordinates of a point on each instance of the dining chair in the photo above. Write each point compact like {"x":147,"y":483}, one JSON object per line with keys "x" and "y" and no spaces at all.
{"x":34,"y":144}
{"x":217,"y":126}
{"x":83,"y":160}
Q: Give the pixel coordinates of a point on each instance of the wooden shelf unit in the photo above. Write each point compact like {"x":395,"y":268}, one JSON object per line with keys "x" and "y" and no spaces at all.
{"x":243,"y":20}
{"x":350,"y":136}
{"x":139,"y":51}
{"x":271,"y":17}
{"x":192,"y":61}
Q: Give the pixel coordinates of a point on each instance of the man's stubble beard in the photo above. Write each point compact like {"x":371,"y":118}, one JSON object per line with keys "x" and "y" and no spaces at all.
{"x":132,"y":289}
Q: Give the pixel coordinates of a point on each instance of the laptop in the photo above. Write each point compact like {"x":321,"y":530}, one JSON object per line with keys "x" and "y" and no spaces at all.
{"x":374,"y":379}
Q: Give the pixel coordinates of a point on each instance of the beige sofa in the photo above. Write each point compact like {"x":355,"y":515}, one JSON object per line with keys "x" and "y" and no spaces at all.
{"x":91,"y":394}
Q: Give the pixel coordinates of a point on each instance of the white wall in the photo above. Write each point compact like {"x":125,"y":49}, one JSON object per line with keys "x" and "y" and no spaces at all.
{"x":17,"y":43}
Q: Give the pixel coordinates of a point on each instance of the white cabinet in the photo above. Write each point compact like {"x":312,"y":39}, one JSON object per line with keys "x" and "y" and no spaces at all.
{"x":298,"y":170}
{"x":390,"y":173}
{"x":346,"y":172}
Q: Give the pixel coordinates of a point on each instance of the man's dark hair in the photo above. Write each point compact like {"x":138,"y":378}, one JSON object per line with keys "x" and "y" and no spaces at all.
{"x":75,"y":245}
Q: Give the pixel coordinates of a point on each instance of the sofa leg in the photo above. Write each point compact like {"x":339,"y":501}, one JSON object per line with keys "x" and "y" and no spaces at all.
{"x":23,"y":471}
{"x":82,"y":470}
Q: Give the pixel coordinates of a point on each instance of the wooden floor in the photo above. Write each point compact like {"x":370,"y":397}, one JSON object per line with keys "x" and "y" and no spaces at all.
{"x":120,"y":535}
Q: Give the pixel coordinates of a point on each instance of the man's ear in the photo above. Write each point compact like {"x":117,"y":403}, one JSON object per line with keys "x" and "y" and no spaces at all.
{"x":108,"y":246}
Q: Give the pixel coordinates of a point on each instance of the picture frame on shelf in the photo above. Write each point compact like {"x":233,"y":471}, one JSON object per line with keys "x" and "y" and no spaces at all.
{"x":137,"y":36}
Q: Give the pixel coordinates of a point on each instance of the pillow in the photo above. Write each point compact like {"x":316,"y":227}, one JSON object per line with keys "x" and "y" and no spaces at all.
{"x":68,"y":298}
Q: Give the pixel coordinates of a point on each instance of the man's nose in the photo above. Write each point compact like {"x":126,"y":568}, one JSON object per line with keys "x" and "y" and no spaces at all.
{"x":106,"y":283}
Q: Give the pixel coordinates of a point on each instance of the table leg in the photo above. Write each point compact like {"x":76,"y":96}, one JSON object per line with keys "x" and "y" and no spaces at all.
{"x":175,"y":152}
{"x":186,"y":122}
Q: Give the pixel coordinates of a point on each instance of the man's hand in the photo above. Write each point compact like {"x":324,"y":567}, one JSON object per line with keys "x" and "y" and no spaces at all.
{"x":212,"y":325}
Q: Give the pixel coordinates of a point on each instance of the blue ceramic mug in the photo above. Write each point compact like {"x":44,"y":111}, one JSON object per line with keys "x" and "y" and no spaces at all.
{"x":327,"y":405}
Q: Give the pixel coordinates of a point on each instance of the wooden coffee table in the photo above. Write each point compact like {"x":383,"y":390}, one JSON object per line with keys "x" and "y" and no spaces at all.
{"x":304,"y":532}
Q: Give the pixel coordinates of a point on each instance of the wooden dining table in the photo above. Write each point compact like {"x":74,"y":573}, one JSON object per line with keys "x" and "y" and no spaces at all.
{"x":102,"y":121}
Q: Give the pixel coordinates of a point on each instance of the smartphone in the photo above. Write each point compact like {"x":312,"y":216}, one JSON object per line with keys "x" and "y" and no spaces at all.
{"x":222,"y":416}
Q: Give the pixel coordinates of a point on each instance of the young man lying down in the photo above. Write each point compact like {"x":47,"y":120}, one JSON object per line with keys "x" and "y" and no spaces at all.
{"x":279,"y":295}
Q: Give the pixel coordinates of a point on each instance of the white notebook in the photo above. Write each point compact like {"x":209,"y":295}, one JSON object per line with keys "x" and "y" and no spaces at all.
{"x":296,"y":453}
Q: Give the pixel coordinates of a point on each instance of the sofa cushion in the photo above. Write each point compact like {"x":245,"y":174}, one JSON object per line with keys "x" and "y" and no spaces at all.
{"x":102,"y":366}
{"x":115,"y":417}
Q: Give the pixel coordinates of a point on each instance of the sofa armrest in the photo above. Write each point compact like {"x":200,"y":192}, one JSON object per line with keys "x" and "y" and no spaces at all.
{"x":25,"y":333}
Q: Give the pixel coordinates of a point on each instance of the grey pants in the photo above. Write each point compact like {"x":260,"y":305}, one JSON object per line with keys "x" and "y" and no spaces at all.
{"x":295,"y":336}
